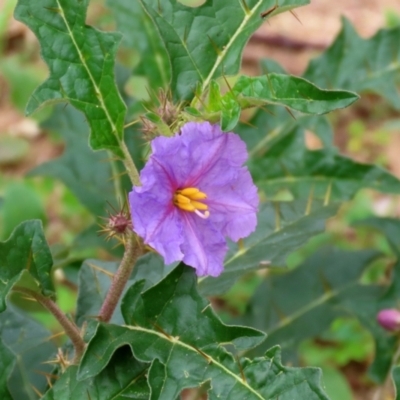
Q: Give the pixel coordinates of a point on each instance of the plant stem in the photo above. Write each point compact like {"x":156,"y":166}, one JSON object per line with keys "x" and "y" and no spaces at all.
{"x":71,"y":330}
{"x":381,"y":392}
{"x":133,"y":250}
{"x":130,"y":165}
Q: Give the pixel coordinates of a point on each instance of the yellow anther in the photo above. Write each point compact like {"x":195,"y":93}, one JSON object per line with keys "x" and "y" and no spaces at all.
{"x":189,"y":191}
{"x":186,"y":207}
{"x":198,"y":196}
{"x":182,"y":199}
{"x":187,"y":199}
{"x":199,"y":206}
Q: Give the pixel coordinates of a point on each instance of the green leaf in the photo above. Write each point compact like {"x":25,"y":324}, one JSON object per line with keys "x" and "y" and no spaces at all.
{"x":123,"y":378}
{"x":282,"y":227}
{"x":7,"y":360}
{"x":86,"y":173}
{"x":81,"y":63}
{"x":284,"y":164}
{"x":32,"y":346}
{"x":140,"y":34}
{"x":21,"y":203}
{"x":290,"y":91}
{"x":396,"y":380}
{"x":25,"y":253}
{"x":206,"y":42}
{"x":349,"y":63}
{"x":95,"y":279}
{"x":183,"y":344}
{"x":302,"y":303}
{"x":12,"y":150}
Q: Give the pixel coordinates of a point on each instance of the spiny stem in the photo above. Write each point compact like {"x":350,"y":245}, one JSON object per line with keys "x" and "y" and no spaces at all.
{"x":117,"y":181}
{"x":133,"y":250}
{"x":71,"y":330}
{"x":130,"y":165}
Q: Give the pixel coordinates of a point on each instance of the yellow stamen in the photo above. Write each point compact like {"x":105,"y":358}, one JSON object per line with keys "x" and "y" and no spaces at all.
{"x":199,"y":206}
{"x":182,"y":199}
{"x":189,"y":191}
{"x":187,"y":199}
{"x":186,"y":207}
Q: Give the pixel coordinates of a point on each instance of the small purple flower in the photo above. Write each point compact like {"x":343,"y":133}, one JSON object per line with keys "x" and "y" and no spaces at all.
{"x":389,"y":319}
{"x":195,"y":193}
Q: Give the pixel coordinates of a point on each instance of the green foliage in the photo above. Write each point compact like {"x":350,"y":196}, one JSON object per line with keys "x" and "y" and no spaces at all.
{"x":7,"y":360}
{"x":32,"y":346}
{"x":25,"y":255}
{"x":165,"y":334}
{"x":289,"y":312}
{"x":206,"y":42}
{"x":348,"y":63}
{"x":123,"y":378}
{"x":81,"y":63}
{"x":288,"y":91}
{"x":145,"y":39}
{"x":86,"y":173}
{"x":282,"y":228}
{"x":16,"y":209}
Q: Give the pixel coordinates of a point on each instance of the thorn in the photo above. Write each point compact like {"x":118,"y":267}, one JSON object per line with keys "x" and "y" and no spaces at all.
{"x":131,"y":123}
{"x":29,"y":298}
{"x":267,"y":111}
{"x":268,"y":12}
{"x":185,"y":34}
{"x":36,"y":391}
{"x":104,"y":271}
{"x":56,"y":335}
{"x":214,"y":45}
{"x":229,"y":87}
{"x":248,"y":124}
{"x":209,"y":360}
{"x":288,"y":110}
{"x":246,"y":7}
{"x":240,"y":369}
{"x":309,"y":201}
{"x":159,"y":329}
{"x":295,"y":15}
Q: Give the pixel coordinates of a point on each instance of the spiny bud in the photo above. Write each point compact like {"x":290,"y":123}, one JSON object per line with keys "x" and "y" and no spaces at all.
{"x":117,"y":224}
{"x":162,"y":119}
{"x":389,"y":319}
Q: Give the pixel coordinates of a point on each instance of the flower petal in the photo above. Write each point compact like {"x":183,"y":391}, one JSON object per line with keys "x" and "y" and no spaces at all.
{"x":204,"y":248}
{"x":233,"y":205}
{"x":154,"y":216}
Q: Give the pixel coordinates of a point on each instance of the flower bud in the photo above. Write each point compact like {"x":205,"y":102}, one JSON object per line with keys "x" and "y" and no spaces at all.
{"x":389,"y":319}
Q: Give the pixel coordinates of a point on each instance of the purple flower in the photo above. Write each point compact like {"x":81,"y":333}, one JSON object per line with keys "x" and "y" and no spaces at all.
{"x":389,"y":319}
{"x":195,"y":193}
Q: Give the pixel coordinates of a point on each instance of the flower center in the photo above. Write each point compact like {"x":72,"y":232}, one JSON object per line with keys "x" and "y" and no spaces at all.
{"x":189,"y":199}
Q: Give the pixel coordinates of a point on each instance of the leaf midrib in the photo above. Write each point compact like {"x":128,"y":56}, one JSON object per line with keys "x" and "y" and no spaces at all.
{"x":97,"y":89}
{"x":176,"y":341}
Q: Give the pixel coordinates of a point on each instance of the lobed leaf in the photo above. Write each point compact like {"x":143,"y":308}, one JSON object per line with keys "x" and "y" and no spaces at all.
{"x":25,"y":255}
{"x":123,"y":378}
{"x":145,"y":39}
{"x":206,"y":42}
{"x":289,"y":91}
{"x":81,"y":63}
{"x":7,"y":360}
{"x":281,"y":164}
{"x":282,"y":227}
{"x":175,"y":329}
{"x":302,"y":303}
{"x":95,"y":279}
{"x":358,"y":64}
{"x":32,"y":346}
{"x":86,"y":173}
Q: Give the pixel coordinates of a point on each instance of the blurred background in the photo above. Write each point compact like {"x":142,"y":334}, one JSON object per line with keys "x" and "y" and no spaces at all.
{"x":369,"y":131}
